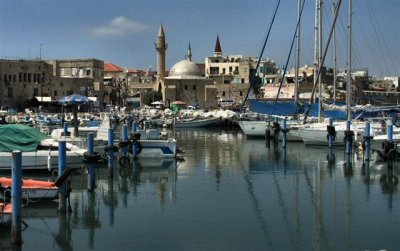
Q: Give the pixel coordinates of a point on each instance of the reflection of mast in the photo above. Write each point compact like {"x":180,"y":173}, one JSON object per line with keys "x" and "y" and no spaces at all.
{"x":317,"y":209}
{"x":64,"y":236}
{"x":256,"y":207}
{"x":280,"y":195}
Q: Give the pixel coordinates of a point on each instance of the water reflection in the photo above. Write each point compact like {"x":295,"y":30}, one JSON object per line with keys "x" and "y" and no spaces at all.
{"x":297,"y":198}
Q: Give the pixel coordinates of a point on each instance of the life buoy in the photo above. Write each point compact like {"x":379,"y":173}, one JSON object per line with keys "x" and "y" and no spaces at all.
{"x":124,"y":171}
{"x":91,"y":158}
{"x":138,"y":149}
{"x":111,"y":148}
{"x":124,"y":161}
{"x":389,"y":180}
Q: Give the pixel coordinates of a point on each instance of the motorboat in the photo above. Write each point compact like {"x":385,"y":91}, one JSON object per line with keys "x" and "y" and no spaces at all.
{"x":196,"y":122}
{"x":38,"y":150}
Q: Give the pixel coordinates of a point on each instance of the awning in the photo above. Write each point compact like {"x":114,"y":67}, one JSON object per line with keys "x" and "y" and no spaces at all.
{"x":43,"y":99}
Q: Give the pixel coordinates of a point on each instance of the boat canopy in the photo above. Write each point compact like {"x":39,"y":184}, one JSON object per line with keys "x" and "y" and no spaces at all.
{"x":281,"y":108}
{"x":14,"y":137}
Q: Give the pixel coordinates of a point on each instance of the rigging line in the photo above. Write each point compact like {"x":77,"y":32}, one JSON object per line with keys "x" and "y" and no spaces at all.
{"x":288,"y":58}
{"x":261,"y":53}
{"x":368,"y":44}
{"x":323,"y":58}
{"x":379,"y":35}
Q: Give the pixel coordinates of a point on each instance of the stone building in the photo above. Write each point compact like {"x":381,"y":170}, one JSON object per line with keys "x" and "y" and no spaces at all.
{"x":47,"y":81}
{"x":22,"y":80}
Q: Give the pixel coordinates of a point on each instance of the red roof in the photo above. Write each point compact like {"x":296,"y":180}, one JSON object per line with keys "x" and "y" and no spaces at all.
{"x":110,"y":67}
{"x":134,"y":71}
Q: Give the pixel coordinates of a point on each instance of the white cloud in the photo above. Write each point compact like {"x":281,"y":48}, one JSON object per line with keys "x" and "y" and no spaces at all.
{"x":119,"y":26}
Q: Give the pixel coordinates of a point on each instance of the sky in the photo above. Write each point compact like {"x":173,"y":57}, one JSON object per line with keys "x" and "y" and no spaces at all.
{"x":124,"y":31}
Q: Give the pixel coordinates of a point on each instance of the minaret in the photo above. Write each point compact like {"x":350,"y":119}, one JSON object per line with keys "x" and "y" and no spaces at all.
{"x":189,"y":55}
{"x":161,"y":48}
{"x":217,"y":50}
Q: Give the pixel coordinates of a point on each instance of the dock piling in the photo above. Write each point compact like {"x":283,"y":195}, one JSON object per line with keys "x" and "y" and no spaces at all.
{"x":367,"y":141}
{"x":284,"y":133}
{"x":110,"y":152}
{"x":348,"y":137}
{"x":268,"y":134}
{"x":91,"y":170}
{"x":62,"y":163}
{"x":16,"y":194}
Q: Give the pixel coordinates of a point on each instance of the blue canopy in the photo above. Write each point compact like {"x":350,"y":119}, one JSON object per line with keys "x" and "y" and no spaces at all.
{"x":74,"y":99}
{"x":267,"y":107}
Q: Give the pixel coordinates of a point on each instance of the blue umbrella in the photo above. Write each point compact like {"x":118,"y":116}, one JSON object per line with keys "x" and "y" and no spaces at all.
{"x":74,"y":99}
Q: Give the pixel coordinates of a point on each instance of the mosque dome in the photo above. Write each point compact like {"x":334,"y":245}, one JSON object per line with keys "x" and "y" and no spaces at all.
{"x":185,"y":68}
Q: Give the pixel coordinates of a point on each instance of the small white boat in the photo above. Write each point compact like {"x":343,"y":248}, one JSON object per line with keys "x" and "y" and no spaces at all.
{"x":196,"y":122}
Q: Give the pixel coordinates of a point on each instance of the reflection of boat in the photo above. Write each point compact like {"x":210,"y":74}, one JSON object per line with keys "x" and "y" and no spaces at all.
{"x":44,"y":209}
{"x":31,"y":189}
{"x":156,"y":164}
{"x":195,"y":122}
{"x":38,"y":151}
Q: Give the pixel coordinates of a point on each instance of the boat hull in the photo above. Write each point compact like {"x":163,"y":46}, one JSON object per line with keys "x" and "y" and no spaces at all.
{"x":197,"y":123}
{"x":39,"y":160}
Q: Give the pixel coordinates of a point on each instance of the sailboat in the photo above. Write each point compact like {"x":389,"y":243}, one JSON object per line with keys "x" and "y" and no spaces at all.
{"x":278,"y":109}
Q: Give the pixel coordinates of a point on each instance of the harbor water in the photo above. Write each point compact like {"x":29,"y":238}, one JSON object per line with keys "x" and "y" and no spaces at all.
{"x":229,"y":193}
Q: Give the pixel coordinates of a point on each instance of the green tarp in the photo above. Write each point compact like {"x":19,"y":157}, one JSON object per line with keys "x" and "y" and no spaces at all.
{"x":20,"y":137}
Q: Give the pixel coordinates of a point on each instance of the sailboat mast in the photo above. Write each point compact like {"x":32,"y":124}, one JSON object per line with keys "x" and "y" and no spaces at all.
{"x":320,"y":58}
{"x":296,"y":80}
{"x":334,"y":55}
{"x":348,"y":85}
{"x":315,"y":44}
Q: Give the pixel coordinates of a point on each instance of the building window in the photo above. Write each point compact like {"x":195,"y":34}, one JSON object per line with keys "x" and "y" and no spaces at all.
{"x":5,"y":77}
{"x":194,"y":88}
{"x":14,"y":78}
{"x":241,"y":93}
{"x":186,"y":87}
{"x":242,"y":80}
{"x":223,"y":71}
{"x":29,"y":77}
{"x":20,"y":77}
{"x":25,"y":77}
{"x":62,"y":72}
{"x":10,"y":92}
{"x":87,"y":72}
{"x":230,"y":69}
{"x":214,"y":70}
{"x":223,"y":94}
{"x":55,"y":93}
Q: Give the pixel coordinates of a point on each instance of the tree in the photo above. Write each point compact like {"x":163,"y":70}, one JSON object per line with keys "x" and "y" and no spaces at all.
{"x":151,"y":96}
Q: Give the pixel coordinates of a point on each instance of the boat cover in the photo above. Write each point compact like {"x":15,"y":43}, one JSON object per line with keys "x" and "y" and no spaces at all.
{"x":14,"y":137}
{"x":267,"y":107}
